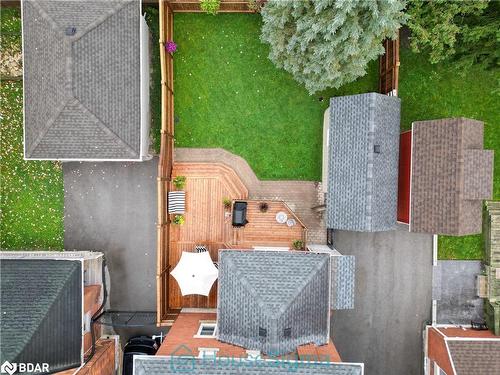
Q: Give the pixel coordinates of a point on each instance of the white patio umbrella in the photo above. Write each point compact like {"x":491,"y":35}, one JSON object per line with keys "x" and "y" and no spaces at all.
{"x":195,"y":273}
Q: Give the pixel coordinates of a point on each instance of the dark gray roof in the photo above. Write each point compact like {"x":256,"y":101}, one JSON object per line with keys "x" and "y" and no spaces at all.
{"x":343,"y":282}
{"x":451,"y":174}
{"x":165,"y":365}
{"x":41,"y":312}
{"x":82,"y":91}
{"x":362,"y":184}
{"x":274,"y":291}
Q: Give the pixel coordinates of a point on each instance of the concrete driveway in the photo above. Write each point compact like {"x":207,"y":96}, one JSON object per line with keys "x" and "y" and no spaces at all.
{"x":393,"y":299}
{"x":458,"y":302}
{"x":111,"y":207}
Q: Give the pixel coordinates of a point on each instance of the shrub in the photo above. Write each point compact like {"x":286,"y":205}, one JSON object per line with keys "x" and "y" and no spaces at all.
{"x":227,"y":202}
{"x":328,"y":43}
{"x":263,"y":207}
{"x":178,"y":220}
{"x":210,"y":6}
{"x":179,"y":182}
{"x":298,"y":244}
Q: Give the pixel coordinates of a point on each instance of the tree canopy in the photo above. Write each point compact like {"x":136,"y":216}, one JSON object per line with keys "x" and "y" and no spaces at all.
{"x":466,"y":31}
{"x":328,"y":43}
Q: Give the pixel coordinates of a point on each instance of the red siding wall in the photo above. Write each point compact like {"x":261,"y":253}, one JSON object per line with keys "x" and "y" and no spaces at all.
{"x":404,"y":177}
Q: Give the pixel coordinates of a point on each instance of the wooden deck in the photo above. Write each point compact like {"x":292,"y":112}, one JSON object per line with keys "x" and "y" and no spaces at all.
{"x":208,"y":223}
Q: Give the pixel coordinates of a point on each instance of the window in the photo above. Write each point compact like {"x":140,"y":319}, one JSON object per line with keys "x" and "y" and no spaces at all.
{"x":207,"y":352}
{"x":207,"y":330}
{"x":262,"y":332}
{"x":287,"y":332}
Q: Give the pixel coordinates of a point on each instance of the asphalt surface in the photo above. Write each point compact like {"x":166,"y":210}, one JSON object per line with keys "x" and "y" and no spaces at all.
{"x":111,"y":207}
{"x":393,"y":300}
{"x":458,"y":302}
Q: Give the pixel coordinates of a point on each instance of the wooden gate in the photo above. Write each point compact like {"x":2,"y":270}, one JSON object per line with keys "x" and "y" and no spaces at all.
{"x":389,"y":68}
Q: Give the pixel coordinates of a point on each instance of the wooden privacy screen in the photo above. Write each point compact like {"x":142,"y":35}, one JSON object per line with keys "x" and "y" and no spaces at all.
{"x":226,"y":6}
{"x":165,"y":161}
{"x":389,"y":68}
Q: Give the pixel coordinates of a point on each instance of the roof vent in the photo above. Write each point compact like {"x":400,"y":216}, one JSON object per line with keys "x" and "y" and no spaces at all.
{"x":287,"y":332}
{"x":70,"y":31}
{"x":262,"y":332}
{"x":376,"y":149}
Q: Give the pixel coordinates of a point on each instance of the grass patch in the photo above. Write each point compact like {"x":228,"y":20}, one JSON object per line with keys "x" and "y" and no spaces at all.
{"x":228,"y":94}
{"x":430,"y":91}
{"x":32,"y":192}
{"x":151,"y":15}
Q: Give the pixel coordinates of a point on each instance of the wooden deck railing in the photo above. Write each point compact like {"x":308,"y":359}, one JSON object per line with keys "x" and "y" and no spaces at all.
{"x":165,"y":162}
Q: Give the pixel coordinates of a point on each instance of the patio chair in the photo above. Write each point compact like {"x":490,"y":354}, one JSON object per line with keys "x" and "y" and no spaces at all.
{"x":176,"y":202}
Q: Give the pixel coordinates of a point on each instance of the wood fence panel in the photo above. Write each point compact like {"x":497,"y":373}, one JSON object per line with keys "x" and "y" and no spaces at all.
{"x":389,"y":68}
{"x":226,"y":6}
{"x":165,"y":162}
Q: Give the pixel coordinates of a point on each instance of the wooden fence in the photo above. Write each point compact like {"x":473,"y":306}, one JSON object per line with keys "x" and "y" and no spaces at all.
{"x":389,"y":68}
{"x":226,"y":6}
{"x":165,"y":162}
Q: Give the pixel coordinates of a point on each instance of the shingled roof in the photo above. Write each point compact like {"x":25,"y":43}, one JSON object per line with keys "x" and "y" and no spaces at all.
{"x":363,"y":162}
{"x":41,"y":312}
{"x":273,"y":301}
{"x":82,"y":93}
{"x":478,"y":357}
{"x":166,"y":365}
{"x":450,"y":176}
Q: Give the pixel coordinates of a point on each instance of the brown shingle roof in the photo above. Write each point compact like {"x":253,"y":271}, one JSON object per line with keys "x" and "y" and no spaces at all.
{"x":475,"y":357}
{"x":451,"y":175}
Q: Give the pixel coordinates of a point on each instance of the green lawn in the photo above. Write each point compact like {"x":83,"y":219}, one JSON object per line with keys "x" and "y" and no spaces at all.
{"x":438,"y":91}
{"x":228,"y":94}
{"x":32,"y":197}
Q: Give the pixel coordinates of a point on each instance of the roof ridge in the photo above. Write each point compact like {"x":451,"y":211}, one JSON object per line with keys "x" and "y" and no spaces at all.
{"x":47,"y":126}
{"x":308,"y":280}
{"x":104,"y":128}
{"x":100,"y":20}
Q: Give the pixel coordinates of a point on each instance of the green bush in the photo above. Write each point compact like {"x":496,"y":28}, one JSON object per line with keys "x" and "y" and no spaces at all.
{"x":298,"y":244}
{"x":179,"y":182}
{"x":210,"y":6}
{"x":178,"y":220}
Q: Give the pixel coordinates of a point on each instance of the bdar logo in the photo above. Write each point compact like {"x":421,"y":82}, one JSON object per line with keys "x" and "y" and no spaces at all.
{"x":9,"y":368}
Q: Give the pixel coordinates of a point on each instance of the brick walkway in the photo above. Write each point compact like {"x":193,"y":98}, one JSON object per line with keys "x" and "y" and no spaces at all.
{"x":300,"y":196}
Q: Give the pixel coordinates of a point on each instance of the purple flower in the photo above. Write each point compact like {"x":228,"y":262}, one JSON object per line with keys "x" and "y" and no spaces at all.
{"x":170,"y":46}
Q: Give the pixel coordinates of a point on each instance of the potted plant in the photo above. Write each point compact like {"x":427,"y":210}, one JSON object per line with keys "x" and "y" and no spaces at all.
{"x":178,"y":220}
{"x":298,"y":244}
{"x":227,"y":203}
{"x":263,"y":207}
{"x":179,"y":182}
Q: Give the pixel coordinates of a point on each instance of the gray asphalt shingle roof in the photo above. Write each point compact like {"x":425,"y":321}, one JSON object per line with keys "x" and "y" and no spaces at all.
{"x":451,"y":174}
{"x":165,"y":365}
{"x":273,"y":291}
{"x":363,"y":184}
{"x":41,"y":312}
{"x":82,"y":91}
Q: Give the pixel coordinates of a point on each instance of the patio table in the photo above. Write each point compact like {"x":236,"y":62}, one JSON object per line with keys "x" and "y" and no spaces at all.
{"x":281,"y":217}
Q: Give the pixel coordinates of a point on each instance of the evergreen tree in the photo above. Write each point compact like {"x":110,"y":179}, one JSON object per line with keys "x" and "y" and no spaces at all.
{"x":328,"y":43}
